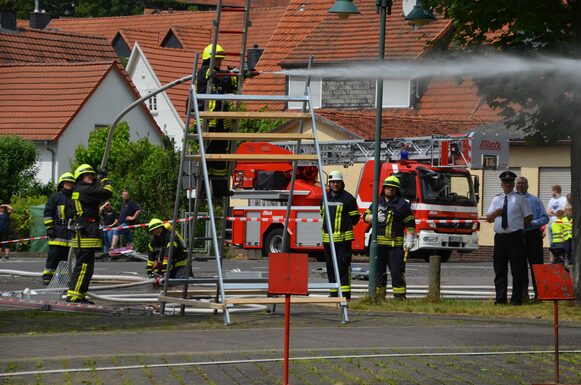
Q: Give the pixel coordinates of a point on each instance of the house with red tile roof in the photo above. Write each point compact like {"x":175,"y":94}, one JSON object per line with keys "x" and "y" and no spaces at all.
{"x":57,"y":105}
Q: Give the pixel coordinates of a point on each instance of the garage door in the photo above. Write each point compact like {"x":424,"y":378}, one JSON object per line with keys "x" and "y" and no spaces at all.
{"x":550,"y":176}
{"x":491,"y":186}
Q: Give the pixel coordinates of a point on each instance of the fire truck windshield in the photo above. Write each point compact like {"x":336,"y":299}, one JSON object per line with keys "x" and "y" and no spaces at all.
{"x":447,"y":187}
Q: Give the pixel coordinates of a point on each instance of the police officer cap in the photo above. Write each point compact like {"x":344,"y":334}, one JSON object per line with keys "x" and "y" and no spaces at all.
{"x":507,"y":176}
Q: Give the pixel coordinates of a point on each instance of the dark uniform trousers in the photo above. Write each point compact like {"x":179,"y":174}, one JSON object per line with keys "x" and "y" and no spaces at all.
{"x":534,"y":253}
{"x":509,"y":249}
{"x":392,"y":258}
{"x":344,"y":256}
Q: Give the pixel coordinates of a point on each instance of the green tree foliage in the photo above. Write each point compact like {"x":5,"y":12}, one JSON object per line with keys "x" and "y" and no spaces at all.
{"x":148,"y":172}
{"x":17,"y":165}
{"x":21,"y":220}
{"x":546,"y":106}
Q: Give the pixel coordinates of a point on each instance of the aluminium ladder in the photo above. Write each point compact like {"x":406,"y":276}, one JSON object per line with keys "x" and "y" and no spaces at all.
{"x":224,"y":300}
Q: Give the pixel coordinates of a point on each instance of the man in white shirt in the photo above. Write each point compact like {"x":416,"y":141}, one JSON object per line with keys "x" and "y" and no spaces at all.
{"x":511,"y":213}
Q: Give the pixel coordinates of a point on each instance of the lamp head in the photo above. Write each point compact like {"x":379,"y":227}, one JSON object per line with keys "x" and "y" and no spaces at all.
{"x":420,"y":16}
{"x":344,"y":8}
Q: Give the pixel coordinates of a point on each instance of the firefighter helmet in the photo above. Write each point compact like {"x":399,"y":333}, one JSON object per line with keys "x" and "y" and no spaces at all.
{"x":208,"y":52}
{"x":84,"y":169}
{"x":392,"y":181}
{"x":335,"y":176}
{"x":66,"y":177}
{"x":154,"y":224}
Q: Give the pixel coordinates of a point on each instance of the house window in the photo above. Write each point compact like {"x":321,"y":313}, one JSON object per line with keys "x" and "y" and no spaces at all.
{"x":152,"y":103}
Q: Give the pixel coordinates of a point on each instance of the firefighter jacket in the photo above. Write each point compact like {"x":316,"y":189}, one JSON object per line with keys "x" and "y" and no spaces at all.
{"x":159,"y":251}
{"x":87,"y":198}
{"x":221,"y":84}
{"x":344,"y":214}
{"x":58,"y":210}
{"x":393,"y":217}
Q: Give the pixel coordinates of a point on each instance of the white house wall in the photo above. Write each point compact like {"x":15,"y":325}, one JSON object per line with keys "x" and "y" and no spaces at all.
{"x":110,"y":98}
{"x":145,"y":81}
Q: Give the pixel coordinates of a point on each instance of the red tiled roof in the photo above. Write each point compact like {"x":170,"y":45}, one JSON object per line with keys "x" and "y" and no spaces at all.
{"x":394,"y":124}
{"x":40,"y":100}
{"x":31,"y":45}
{"x":299,"y":19}
{"x":262,"y":19}
{"x":357,"y":38}
{"x":144,"y":37}
{"x":191,"y":38}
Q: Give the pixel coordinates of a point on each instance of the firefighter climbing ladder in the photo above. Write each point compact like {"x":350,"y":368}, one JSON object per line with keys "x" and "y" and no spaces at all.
{"x":226,"y":288}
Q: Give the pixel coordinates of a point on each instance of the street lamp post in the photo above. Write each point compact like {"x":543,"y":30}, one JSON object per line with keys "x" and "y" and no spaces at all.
{"x":419,"y":17}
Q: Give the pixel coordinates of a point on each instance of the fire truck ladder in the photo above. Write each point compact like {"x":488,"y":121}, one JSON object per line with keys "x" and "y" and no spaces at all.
{"x":227,"y":287}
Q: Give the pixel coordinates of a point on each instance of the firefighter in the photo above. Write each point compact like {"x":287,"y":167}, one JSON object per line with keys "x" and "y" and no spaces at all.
{"x":158,"y":255}
{"x":394,"y":216}
{"x":57,"y":212}
{"x":223,"y":82}
{"x":344,"y":214}
{"x":88,"y":193}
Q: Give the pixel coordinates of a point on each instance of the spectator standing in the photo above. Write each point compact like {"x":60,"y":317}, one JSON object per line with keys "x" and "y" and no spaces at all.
{"x":110,"y":219}
{"x":557,"y":202}
{"x":128,"y":214}
{"x":394,"y":217}
{"x":87,"y":196}
{"x":511,"y":213}
{"x":533,"y":237}
{"x":560,"y":228}
{"x":58,"y":210}
{"x":343,"y":215}
{"x":5,"y":211}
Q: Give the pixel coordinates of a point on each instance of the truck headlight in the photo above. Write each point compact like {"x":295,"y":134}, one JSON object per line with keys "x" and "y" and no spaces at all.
{"x":430,"y":239}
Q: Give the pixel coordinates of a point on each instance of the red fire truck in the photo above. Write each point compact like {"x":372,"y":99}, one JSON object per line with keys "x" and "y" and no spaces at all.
{"x":440,"y":189}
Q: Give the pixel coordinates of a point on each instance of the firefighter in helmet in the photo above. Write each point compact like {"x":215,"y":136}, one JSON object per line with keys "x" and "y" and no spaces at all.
{"x":394,"y":216}
{"x":159,"y":245}
{"x":343,"y":215}
{"x":88,"y":194}
{"x":223,"y":82}
{"x":57,"y":212}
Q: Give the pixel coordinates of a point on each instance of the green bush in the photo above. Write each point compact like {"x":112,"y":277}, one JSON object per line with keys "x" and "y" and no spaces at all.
{"x":20,"y":219}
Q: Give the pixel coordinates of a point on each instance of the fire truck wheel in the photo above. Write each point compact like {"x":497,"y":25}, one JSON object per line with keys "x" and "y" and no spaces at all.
{"x":444,"y":254}
{"x":318,"y":256}
{"x":273,"y":242}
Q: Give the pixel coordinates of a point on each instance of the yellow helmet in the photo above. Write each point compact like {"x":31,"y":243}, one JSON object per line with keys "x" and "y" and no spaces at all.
{"x":392,"y":181}
{"x":84,"y":169}
{"x":208,"y":52}
{"x":66,"y":177}
{"x":154,"y":224}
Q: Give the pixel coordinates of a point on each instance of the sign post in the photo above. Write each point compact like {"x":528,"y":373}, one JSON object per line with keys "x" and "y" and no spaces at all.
{"x":554,"y":283}
{"x":287,"y":275}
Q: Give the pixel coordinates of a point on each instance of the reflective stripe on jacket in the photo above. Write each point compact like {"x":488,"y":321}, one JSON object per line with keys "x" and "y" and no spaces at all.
{"x":393,"y":218}
{"x":344,"y":214}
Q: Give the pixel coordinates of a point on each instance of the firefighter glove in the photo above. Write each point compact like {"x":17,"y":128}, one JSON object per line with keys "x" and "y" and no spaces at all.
{"x":51,"y":232}
{"x":381,"y":216}
{"x":409,"y":241}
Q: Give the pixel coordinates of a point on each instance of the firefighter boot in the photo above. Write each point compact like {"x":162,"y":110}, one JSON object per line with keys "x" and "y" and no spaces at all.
{"x":399,"y":297}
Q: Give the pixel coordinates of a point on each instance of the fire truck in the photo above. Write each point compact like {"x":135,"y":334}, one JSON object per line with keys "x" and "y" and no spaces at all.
{"x":434,"y":177}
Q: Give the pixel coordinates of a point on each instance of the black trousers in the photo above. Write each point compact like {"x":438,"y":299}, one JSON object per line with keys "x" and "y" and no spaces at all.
{"x":344,"y":256}
{"x":509,"y":249}
{"x":534,"y":254}
{"x":392,"y":258}
{"x":82,"y":274}
{"x":56,"y":254}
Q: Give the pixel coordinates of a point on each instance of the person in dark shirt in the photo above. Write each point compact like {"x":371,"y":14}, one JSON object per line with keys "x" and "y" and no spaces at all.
{"x":110,"y":219}
{"x":5,"y":211}
{"x":128,"y":214}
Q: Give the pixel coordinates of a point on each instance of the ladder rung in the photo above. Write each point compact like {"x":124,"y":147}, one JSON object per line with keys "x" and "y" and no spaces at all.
{"x":258,"y":98}
{"x":257,"y":136}
{"x":232,"y":31}
{"x":254,"y":115}
{"x":230,"y":9}
{"x":261,"y":157}
{"x":231,"y":53}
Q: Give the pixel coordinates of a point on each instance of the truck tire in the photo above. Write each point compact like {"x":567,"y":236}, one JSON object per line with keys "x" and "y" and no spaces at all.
{"x":272,"y":242}
{"x":318,"y":256}
{"x":444,"y":254}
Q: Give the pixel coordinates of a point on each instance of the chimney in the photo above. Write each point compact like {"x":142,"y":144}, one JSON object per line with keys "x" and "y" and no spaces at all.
{"x":253,"y":55}
{"x":7,"y":20}
{"x":38,"y":19}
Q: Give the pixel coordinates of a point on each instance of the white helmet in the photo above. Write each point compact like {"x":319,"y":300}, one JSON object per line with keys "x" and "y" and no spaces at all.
{"x":335,"y":176}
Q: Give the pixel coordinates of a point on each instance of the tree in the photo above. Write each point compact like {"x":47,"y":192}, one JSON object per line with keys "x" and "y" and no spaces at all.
{"x":17,"y":165}
{"x":545,"y":106}
{"x":148,"y":172}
